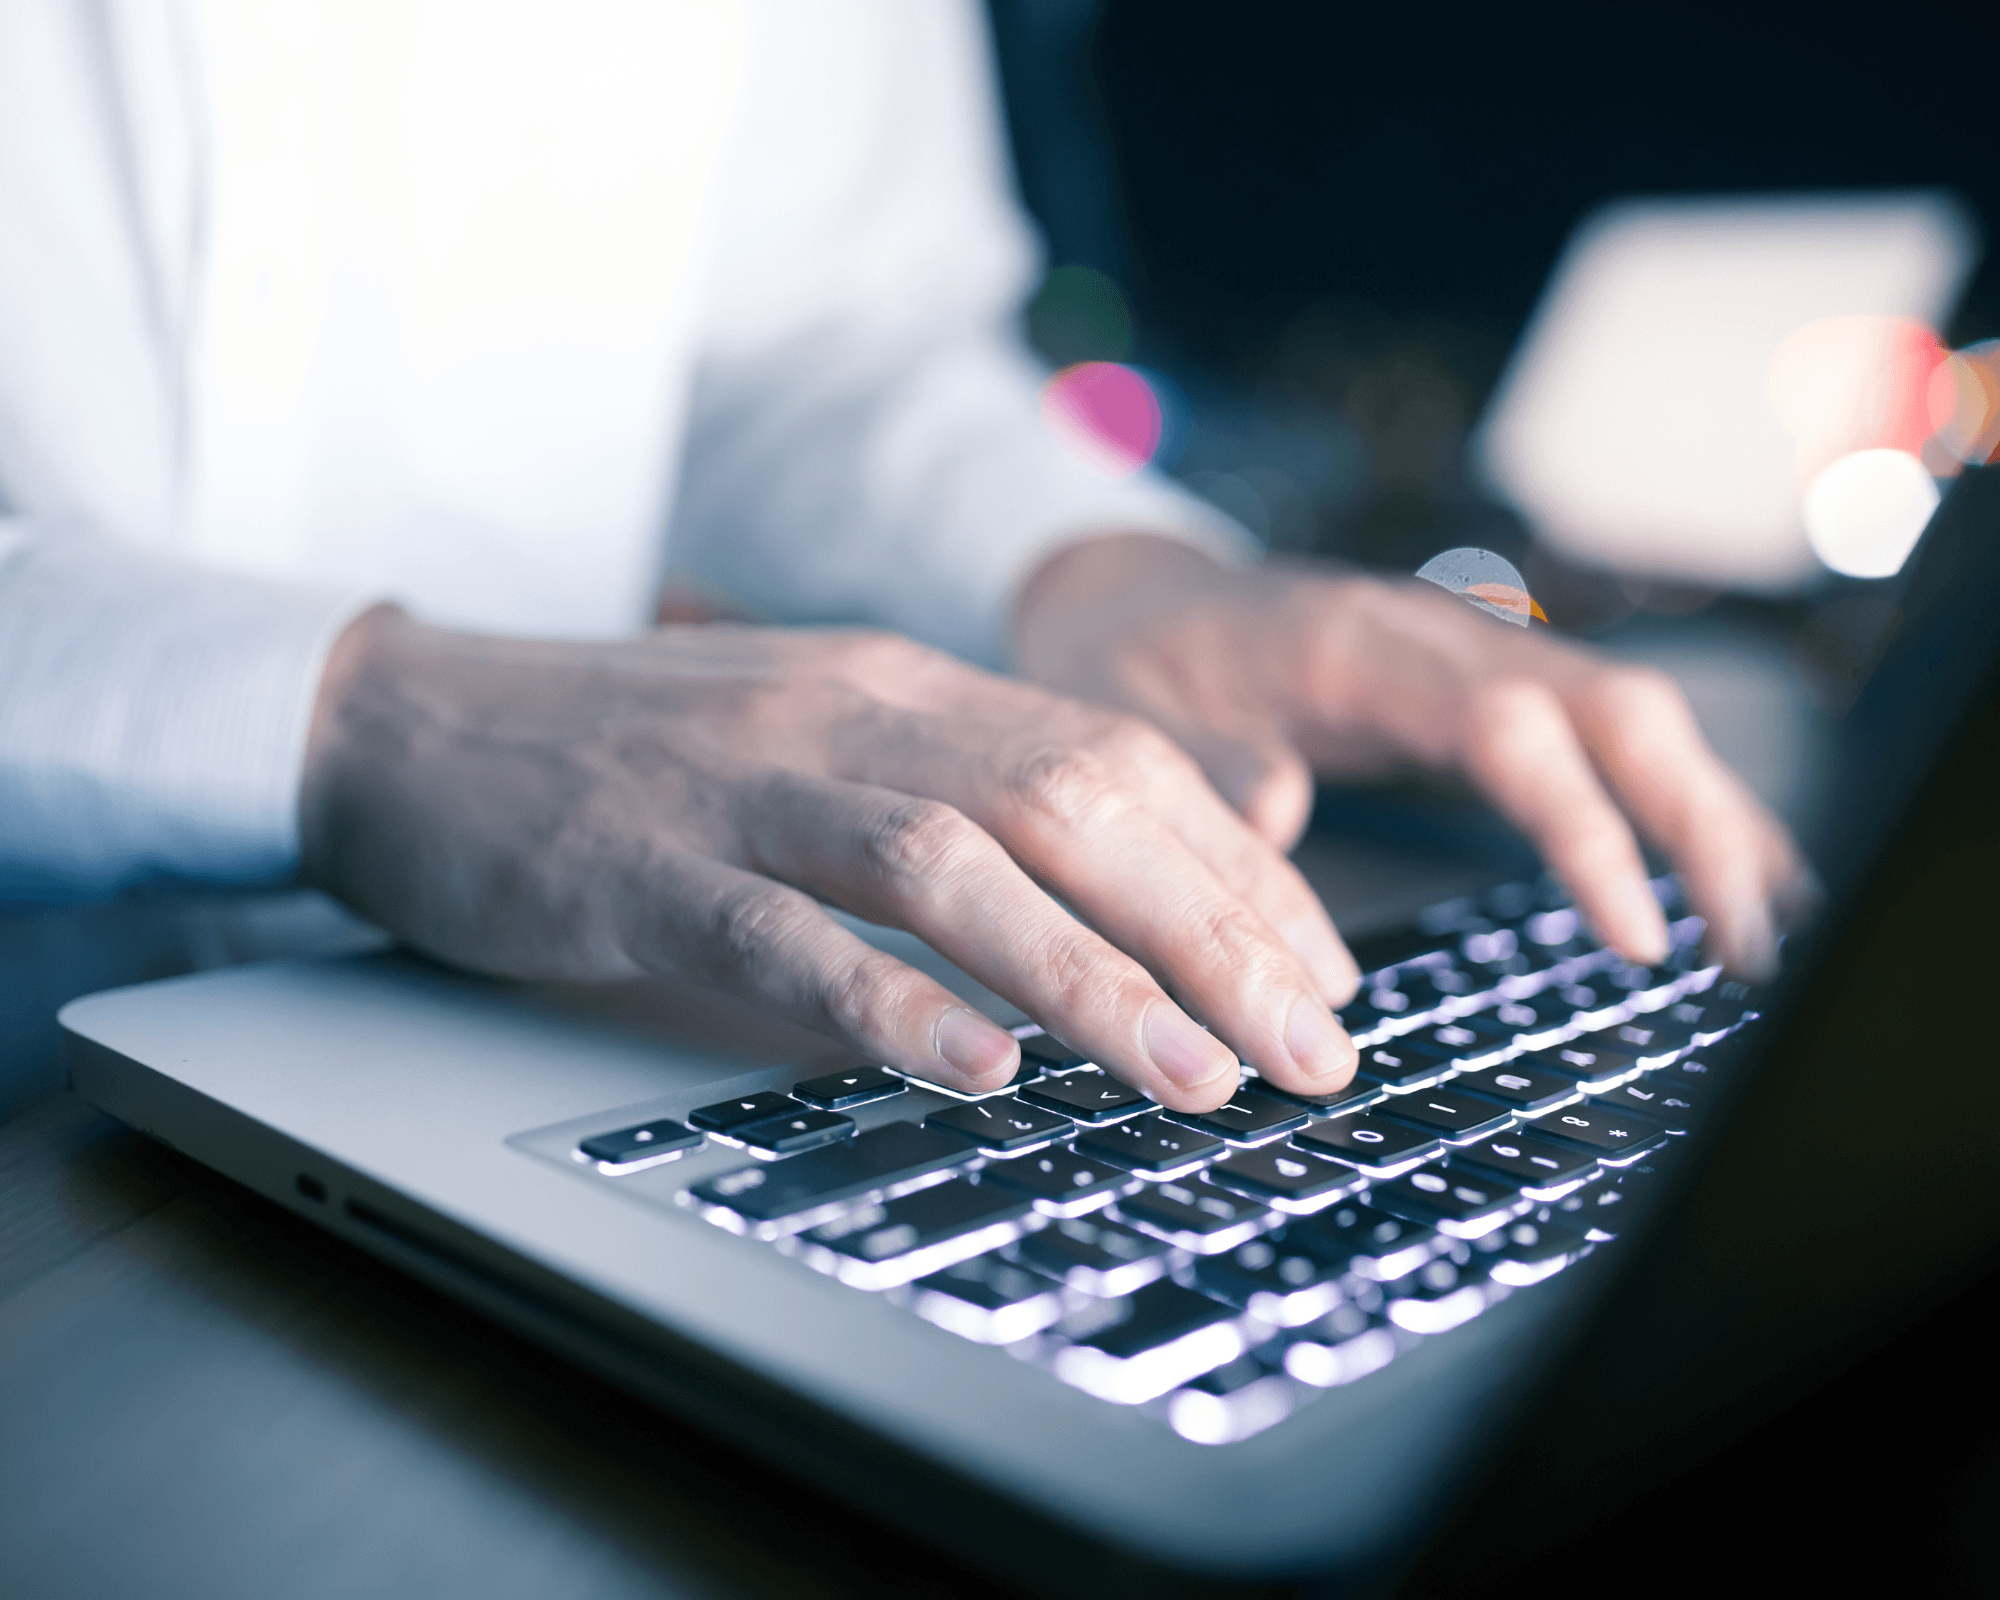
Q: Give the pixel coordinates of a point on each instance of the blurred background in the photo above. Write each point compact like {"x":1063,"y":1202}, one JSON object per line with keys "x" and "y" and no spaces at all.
{"x":1325,"y":227}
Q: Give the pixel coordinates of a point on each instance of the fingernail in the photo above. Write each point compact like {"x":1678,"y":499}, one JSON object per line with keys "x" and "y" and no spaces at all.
{"x":1187,"y":1055}
{"x":1319,"y":1048}
{"x":976,"y":1049}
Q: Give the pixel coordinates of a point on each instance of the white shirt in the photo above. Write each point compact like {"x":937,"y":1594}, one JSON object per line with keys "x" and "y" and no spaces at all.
{"x":503,"y":311}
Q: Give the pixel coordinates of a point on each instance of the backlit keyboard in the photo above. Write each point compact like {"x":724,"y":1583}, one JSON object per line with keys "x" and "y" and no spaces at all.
{"x":1219,"y":1269}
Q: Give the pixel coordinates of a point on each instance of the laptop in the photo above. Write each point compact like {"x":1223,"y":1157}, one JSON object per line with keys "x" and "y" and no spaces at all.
{"x":1575,"y":1218}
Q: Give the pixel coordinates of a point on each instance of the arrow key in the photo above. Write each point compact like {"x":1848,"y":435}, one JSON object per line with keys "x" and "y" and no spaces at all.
{"x":1092,"y":1095}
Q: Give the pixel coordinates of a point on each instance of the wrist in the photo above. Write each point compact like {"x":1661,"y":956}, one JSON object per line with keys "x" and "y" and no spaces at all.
{"x":1110,"y":579}
{"x":358,"y":661}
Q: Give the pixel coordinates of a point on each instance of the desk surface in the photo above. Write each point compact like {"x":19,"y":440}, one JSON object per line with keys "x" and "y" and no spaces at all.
{"x":201,"y":1395}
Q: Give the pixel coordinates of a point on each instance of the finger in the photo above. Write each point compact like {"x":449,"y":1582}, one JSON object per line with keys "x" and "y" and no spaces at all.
{"x":922,"y":866}
{"x":1161,"y":772}
{"x":1733,"y":855}
{"x":1259,"y":774}
{"x":1523,"y":751}
{"x":771,"y":945}
{"x":1058,"y":810}
{"x":1276,"y":784}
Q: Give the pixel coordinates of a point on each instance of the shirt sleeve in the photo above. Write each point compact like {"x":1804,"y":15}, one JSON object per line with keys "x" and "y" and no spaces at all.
{"x":865,"y":440}
{"x":153,"y":716}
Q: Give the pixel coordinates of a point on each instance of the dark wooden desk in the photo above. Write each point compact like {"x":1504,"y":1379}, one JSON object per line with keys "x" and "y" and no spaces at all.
{"x":203,"y":1396}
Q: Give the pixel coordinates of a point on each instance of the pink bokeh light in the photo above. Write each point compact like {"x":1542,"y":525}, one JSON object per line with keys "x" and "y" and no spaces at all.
{"x":1106,"y":413}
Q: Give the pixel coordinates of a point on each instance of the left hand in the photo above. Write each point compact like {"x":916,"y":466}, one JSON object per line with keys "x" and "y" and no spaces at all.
{"x":1270,"y":674}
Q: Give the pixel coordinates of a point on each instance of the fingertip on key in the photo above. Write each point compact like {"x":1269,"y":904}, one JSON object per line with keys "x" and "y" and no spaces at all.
{"x":1186,"y":1054}
{"x":980,"y":1053}
{"x":1320,"y":1048}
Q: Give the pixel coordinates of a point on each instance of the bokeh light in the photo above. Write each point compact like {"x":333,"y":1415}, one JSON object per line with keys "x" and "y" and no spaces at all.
{"x":1847,"y":384}
{"x":1963,"y":398}
{"x":1487,"y":580}
{"x":1865,"y":511}
{"x":1106,"y":413}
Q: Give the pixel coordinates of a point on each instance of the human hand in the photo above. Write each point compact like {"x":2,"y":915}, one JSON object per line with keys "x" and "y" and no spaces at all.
{"x":679,"y":802}
{"x":1269,"y":674}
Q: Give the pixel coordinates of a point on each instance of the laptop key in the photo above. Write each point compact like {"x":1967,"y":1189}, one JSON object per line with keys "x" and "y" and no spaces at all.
{"x":1649,"y":1040}
{"x":1544,"y":1169}
{"x":1149,"y":1144}
{"x":987,"y":1300}
{"x":1166,"y":1337}
{"x":1535,"y":1023}
{"x":1583,"y":1061}
{"x":1594,"y":1003}
{"x":1398,"y":1068}
{"x":1097,"y":1257}
{"x":1286,"y":1288}
{"x":1369,"y":1144}
{"x":1001,"y":1122}
{"x":1528,"y":1251}
{"x":1048,"y":1054}
{"x":1440,"y":1296}
{"x":897,"y":1241}
{"x":1378,"y":1014}
{"x":789,"y":1134}
{"x":1662,"y":1102}
{"x":1440,"y":987}
{"x":774,"y":1198}
{"x":1091,"y":1095}
{"x":1250,"y":1116}
{"x":1452,"y":1117}
{"x":1232,"y":1402}
{"x":725,"y":1116}
{"x":1369,"y":1243}
{"x":1063,"y":1183}
{"x":1471,"y":1041}
{"x":1460,"y":1204}
{"x":839,"y":1090}
{"x":1614,"y":1137}
{"x":1359,"y":1095}
{"x":1523,"y":1090}
{"x":647,"y":1145}
{"x":1196,"y":1216}
{"x":1286,"y":1178}
{"x":1346,"y":1344}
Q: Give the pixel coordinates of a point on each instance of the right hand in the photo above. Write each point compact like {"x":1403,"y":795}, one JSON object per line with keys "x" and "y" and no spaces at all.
{"x":683,"y":801}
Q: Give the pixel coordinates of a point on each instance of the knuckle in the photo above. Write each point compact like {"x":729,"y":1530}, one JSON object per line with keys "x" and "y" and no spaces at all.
{"x":918,"y":843}
{"x":750,"y":922}
{"x":1637,"y":695}
{"x":1505,"y":714}
{"x":1241,"y":945}
{"x":862,"y":999}
{"x":1060,"y":783}
{"x":1083,"y":976}
{"x":875,"y":655}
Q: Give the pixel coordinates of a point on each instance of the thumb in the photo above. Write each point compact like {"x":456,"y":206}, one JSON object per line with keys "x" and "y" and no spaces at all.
{"x":1262,"y":776}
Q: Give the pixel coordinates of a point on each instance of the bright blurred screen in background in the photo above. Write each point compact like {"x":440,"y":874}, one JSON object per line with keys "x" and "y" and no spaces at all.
{"x":1316,"y":236}
{"x":1735,"y":393}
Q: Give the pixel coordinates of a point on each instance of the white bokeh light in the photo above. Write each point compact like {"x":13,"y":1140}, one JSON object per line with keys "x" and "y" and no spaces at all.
{"x":1865,"y":512}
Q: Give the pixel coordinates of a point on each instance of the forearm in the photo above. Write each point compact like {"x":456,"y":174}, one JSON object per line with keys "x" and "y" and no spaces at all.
{"x":153,"y":718}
